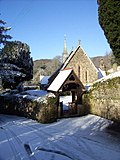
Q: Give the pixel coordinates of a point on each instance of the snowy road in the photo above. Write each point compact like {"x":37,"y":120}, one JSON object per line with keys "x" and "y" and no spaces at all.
{"x":81,"y":138}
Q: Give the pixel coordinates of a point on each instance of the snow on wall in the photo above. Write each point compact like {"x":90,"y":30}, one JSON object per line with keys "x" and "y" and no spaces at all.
{"x":110,"y":76}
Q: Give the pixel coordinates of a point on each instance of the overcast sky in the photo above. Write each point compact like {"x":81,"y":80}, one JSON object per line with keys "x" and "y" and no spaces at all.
{"x":42,"y":24}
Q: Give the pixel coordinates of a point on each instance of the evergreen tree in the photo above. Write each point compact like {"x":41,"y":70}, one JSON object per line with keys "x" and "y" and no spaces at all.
{"x":3,"y":30}
{"x":15,"y":56}
{"x":16,"y":65}
{"x":109,"y":19}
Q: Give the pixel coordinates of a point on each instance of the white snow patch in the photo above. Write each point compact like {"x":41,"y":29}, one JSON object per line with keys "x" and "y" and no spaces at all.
{"x":110,"y":76}
{"x":81,"y":138}
{"x":66,"y":100}
{"x":36,"y":95}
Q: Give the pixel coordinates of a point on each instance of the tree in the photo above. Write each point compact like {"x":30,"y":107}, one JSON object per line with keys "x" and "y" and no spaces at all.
{"x":3,"y":35}
{"x":16,"y":65}
{"x":15,"y":57}
{"x":109,"y":19}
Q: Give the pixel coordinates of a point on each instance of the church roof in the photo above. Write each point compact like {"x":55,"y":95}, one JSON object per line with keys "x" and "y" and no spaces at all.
{"x":62,"y":78}
{"x":73,"y":53}
{"x":59,"y":80}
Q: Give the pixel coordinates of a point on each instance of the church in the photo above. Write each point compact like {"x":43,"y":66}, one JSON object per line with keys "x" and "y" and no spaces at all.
{"x":80,"y":63}
{"x":76,"y":73}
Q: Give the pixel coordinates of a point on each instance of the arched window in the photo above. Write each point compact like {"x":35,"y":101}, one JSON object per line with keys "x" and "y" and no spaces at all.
{"x":78,"y":71}
{"x":86,"y":76}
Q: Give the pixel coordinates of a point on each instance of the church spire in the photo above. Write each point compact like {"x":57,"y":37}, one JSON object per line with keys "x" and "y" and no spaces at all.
{"x":65,"y":53}
{"x":79,"y":42}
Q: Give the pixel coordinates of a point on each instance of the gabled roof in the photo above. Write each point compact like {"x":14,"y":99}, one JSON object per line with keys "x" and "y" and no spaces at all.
{"x":59,"y":76}
{"x":52,"y":77}
{"x":90,"y":60}
{"x":73,"y":53}
{"x":69,"y":58}
{"x":59,"y":80}
{"x":64,"y":78}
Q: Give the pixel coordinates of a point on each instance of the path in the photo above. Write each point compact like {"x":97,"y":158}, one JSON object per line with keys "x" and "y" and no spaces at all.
{"x":82,"y":138}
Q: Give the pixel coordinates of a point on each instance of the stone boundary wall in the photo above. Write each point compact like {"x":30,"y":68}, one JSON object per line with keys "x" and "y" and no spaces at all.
{"x":103,"y":99}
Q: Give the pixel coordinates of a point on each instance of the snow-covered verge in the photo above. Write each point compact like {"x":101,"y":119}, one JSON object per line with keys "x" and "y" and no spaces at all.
{"x":81,"y":138}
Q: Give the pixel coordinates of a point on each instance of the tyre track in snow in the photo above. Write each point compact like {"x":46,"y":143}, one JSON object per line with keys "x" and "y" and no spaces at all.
{"x":23,"y":147}
{"x":27,"y":146}
{"x":16,"y":144}
{"x":80,"y":147}
{"x":10,"y":141}
{"x":65,"y":145}
{"x":83,"y":138}
{"x":83,"y":147}
{"x":13,"y":148}
{"x":42,"y":137}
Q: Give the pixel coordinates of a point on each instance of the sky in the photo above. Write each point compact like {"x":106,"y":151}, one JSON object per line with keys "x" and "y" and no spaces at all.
{"x":42,"y":24}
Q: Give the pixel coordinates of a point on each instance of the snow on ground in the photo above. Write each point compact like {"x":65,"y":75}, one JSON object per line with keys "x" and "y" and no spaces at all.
{"x":66,"y":100}
{"x":81,"y":138}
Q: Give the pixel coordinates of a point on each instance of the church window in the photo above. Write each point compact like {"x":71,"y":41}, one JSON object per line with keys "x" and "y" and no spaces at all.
{"x":78,"y":71}
{"x":86,"y":76}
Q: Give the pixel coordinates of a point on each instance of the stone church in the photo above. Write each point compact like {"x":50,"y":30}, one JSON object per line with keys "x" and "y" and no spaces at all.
{"x":73,"y":78}
{"x":81,"y":64}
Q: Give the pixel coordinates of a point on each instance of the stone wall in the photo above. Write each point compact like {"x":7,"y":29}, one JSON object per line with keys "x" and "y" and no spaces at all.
{"x":104,"y":99}
{"x":83,"y":67}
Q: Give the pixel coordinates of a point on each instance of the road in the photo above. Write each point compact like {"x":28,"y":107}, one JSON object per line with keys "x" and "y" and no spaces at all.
{"x":81,"y":138}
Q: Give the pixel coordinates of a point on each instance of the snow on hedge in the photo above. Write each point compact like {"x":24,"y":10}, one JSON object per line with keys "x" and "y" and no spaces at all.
{"x":36,"y":95}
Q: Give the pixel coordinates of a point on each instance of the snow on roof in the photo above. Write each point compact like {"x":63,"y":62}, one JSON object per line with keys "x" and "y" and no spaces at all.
{"x":110,"y":76}
{"x":44,"y":79}
{"x":59,"y":80}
